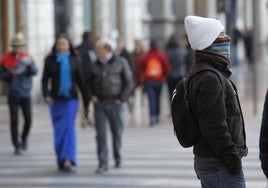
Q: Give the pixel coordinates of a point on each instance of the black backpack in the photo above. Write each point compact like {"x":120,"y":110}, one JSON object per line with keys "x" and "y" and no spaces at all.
{"x":185,"y":124}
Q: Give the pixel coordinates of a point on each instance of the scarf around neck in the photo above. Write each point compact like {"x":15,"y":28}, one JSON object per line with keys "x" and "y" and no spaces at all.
{"x":65,"y":73}
{"x":222,"y":48}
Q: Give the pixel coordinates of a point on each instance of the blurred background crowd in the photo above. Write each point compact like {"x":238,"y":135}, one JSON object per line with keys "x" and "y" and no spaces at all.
{"x":130,"y":24}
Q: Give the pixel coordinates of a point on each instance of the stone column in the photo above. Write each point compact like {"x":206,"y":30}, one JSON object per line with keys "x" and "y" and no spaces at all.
{"x":248,"y":14}
{"x":260,"y":30}
{"x":76,"y":20}
{"x":206,"y":8}
{"x":182,"y":8}
{"x":162,"y":21}
{"x":38,"y":26}
{"x":102,"y":17}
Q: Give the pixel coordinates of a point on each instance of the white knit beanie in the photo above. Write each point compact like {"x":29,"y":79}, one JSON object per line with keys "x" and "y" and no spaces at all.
{"x":202,"y":32}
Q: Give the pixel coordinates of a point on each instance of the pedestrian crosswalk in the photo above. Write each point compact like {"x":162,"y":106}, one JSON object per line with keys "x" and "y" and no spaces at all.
{"x":152,"y":158}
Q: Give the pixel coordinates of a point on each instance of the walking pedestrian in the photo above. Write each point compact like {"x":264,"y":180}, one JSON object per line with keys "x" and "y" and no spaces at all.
{"x":62,"y":72}
{"x":249,"y":45}
{"x":215,"y":104}
{"x":189,"y":57}
{"x":111,"y":83}
{"x":17,"y":69}
{"x":176,"y":55}
{"x":86,"y":55}
{"x":135,"y":55}
{"x":122,"y":51}
{"x":152,"y":70}
{"x":236,"y":36}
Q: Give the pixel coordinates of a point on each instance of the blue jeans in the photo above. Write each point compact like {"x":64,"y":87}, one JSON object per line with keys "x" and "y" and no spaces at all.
{"x":110,"y":111}
{"x":153,"y":90}
{"x":218,"y":177}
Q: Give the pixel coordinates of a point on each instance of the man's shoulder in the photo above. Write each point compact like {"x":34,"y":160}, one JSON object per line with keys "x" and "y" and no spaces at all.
{"x":6,"y":56}
{"x":6,"y":59}
{"x":119,"y":59}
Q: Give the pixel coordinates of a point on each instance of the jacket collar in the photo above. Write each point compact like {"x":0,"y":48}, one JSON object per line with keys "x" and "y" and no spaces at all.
{"x":109,"y":61}
{"x":215,"y":60}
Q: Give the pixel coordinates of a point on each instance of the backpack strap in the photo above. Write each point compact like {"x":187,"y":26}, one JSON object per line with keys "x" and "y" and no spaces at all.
{"x":187,"y":80}
{"x":215,"y":71}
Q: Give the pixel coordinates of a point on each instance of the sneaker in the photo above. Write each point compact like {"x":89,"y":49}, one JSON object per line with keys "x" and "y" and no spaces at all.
{"x":67,"y":166}
{"x":24,"y":145}
{"x":17,"y":151}
{"x":68,"y":169}
{"x":101,"y":170}
{"x":117,"y":164}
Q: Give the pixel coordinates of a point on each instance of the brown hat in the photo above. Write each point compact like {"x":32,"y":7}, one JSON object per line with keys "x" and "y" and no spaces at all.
{"x":18,"y":39}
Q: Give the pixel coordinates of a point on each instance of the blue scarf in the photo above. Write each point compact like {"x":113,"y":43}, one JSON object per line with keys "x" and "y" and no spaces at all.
{"x":65,"y":73}
{"x":222,"y":48}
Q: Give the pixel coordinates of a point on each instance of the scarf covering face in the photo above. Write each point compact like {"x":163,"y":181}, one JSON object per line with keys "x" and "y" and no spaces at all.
{"x":221,"y":45}
{"x":65,"y":73}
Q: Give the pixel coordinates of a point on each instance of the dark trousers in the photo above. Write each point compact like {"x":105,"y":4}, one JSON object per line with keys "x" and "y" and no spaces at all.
{"x":14,"y":103}
{"x":108,"y":111}
{"x":153,"y":90}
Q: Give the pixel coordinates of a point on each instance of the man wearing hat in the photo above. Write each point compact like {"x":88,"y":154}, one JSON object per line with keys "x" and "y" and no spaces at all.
{"x":222,"y":144}
{"x":17,"y":69}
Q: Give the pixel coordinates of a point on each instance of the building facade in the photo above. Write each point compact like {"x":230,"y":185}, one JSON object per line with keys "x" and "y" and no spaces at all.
{"x":42,"y":20}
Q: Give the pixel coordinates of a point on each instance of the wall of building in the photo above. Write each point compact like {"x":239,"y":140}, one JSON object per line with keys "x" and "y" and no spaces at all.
{"x":166,"y":17}
{"x":134,"y":25}
{"x":76,"y":28}
{"x":38,"y":26}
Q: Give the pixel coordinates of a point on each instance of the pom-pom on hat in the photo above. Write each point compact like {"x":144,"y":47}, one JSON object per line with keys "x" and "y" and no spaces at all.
{"x":202,"y":32}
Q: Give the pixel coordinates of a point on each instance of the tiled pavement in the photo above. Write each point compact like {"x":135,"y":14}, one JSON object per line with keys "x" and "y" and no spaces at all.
{"x":151,"y":155}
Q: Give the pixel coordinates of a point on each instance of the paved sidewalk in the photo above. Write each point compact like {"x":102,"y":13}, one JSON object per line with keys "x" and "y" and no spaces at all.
{"x":152,"y":158}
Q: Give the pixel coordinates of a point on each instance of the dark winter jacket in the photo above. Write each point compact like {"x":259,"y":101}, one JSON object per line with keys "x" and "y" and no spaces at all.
{"x":189,"y":58}
{"x":112,"y":80}
{"x":51,"y":79}
{"x":86,"y":55}
{"x":219,"y":113}
{"x":264,"y":138}
{"x":176,"y":58}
